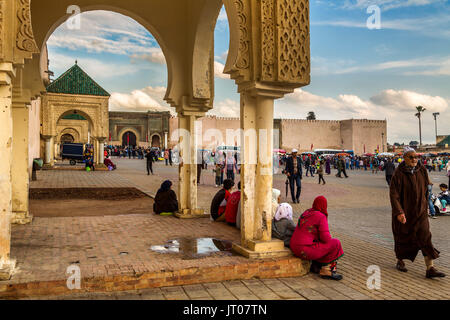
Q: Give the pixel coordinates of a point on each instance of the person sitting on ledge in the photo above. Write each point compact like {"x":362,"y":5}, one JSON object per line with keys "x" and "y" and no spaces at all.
{"x":219,"y":202}
{"x":233,"y":206}
{"x":90,"y":163}
{"x":166,"y":202}
{"x":312,"y":241}
{"x":109,"y":163}
{"x":283,"y":226}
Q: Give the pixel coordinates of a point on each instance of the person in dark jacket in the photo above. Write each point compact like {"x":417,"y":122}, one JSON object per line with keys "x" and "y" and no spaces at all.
{"x":410,"y":225}
{"x":149,"y":156}
{"x":219,"y":202}
{"x":165,"y":199}
{"x":389,"y":169}
{"x":294,"y":173}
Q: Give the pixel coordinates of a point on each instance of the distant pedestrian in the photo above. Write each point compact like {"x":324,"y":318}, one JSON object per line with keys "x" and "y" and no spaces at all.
{"x":294,"y":173}
{"x":389,"y":169}
{"x":320,"y":171}
{"x":150,"y":158}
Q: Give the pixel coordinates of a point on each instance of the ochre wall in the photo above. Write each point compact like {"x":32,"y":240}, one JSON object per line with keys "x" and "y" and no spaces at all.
{"x":300,"y":134}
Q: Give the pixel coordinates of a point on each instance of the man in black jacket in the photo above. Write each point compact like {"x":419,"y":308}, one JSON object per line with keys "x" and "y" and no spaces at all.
{"x":389,"y":168}
{"x":294,"y":172}
{"x":150,"y":155}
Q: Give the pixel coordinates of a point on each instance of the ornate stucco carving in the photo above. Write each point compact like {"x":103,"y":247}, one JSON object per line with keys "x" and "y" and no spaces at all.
{"x":293,"y":41}
{"x":274,"y":43}
{"x":25,"y":39}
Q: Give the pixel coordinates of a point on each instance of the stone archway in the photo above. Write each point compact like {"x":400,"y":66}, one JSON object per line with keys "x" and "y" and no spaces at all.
{"x":123,"y":132}
{"x":69,"y":134}
{"x":67,"y":138}
{"x":129,"y":139}
{"x":156,"y":141}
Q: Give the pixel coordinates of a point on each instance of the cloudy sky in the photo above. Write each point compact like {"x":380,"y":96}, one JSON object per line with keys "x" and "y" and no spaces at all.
{"x":357,"y":72}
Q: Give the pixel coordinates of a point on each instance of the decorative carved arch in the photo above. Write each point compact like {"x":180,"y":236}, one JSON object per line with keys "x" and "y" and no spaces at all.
{"x":151,"y":139}
{"x":72,"y":131}
{"x":130,"y":129}
{"x":53,"y":24}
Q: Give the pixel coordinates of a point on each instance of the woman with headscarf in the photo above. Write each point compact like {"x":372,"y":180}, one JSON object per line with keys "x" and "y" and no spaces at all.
{"x":283,"y":226}
{"x":312,"y":240}
{"x":166,"y":202}
{"x":276,"y":199}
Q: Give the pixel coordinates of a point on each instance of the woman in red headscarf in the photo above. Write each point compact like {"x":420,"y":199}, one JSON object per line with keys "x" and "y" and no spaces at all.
{"x":312,"y":240}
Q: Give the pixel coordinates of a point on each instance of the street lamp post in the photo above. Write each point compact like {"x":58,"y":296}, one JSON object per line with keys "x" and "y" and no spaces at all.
{"x":435,"y":121}
{"x":382,"y":140}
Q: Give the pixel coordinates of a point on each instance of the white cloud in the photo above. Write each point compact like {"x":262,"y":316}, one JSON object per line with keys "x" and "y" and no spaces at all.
{"x":227,"y":108}
{"x":218,"y":70}
{"x":147,"y":99}
{"x":157,"y":56}
{"x":95,"y":68}
{"x":103,"y":31}
{"x":388,"y":4}
{"x":396,"y":106}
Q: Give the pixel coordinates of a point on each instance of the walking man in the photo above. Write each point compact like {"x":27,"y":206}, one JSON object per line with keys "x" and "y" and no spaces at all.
{"x":389,"y":169}
{"x":410,"y":224}
{"x":149,"y":157}
{"x":294,"y":173}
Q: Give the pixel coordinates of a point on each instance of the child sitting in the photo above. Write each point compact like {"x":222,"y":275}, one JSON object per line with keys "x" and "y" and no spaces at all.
{"x":444,"y":197}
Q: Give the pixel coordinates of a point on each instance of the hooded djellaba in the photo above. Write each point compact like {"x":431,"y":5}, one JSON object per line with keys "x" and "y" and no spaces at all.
{"x":165,"y":199}
{"x":410,"y":225}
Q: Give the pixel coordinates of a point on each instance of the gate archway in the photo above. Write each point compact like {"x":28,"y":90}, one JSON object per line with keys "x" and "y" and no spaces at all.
{"x":129,"y":139}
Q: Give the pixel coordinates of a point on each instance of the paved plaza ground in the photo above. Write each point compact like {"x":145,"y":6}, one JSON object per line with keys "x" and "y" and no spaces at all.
{"x":360,"y":217}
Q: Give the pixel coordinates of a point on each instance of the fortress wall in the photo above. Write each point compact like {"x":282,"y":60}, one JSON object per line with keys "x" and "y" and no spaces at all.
{"x":300,"y":134}
{"x":369,"y":133}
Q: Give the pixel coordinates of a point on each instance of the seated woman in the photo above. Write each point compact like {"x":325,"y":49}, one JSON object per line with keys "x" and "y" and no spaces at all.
{"x":312,"y":240}
{"x":283,"y":226}
{"x":219,"y":202}
{"x":109,"y":163}
{"x":166,"y":202}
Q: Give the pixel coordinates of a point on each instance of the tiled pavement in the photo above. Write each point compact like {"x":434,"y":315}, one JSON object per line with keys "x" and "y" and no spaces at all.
{"x":359,"y":217}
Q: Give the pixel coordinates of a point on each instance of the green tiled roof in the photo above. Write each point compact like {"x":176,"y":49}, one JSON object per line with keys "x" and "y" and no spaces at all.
{"x":444,"y":142}
{"x":76,"y":81}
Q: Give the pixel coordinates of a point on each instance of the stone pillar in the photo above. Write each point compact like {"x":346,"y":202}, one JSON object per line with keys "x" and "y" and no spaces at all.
{"x":6,"y":131}
{"x":257,"y":178}
{"x":188,"y":168}
{"x":19,"y":169}
{"x":102,"y":152}
{"x":165,"y":140}
{"x":48,"y":161}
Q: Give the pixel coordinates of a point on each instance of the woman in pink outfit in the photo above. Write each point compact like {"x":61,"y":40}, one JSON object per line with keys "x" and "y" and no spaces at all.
{"x":312,"y":240}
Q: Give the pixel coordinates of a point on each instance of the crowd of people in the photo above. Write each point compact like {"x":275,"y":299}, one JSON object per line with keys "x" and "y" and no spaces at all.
{"x":309,"y":238}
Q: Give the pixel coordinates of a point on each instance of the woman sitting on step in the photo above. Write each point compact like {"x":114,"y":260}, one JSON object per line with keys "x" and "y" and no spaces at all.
{"x":166,"y":202}
{"x":312,"y":240}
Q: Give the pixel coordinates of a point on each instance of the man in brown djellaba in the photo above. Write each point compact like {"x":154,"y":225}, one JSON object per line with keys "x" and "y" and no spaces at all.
{"x":410,"y":225}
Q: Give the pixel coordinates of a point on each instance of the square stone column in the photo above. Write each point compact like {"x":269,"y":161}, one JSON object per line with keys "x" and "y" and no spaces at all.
{"x":6,"y":131}
{"x":257,"y":179}
{"x":19,"y":169}
{"x":49,"y":159}
{"x":187,"y":191}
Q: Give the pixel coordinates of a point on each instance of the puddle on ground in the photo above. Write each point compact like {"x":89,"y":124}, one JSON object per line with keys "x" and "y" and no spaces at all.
{"x":194,"y":248}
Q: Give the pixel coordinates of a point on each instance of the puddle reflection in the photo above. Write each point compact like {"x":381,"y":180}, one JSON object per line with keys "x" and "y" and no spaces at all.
{"x":192,"y":248}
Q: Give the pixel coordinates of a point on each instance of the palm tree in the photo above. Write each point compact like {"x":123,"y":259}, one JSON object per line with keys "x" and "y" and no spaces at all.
{"x":420,"y":109}
{"x":311,"y":116}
